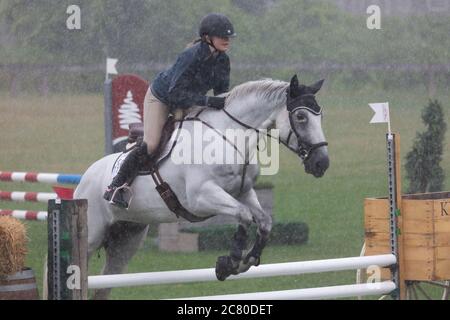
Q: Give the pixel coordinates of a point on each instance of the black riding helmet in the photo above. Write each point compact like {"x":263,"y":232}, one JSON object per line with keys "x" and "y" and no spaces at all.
{"x":216,"y":25}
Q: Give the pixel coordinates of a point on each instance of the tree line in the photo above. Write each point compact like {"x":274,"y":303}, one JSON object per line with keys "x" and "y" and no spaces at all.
{"x":152,"y":33}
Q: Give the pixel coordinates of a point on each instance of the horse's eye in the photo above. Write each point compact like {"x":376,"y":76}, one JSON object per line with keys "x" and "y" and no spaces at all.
{"x":301,"y":118}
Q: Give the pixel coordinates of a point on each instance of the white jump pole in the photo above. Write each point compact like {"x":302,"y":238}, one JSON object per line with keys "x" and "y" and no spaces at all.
{"x":267,"y":270}
{"x":25,"y":214}
{"x":19,"y":196}
{"x":365,"y":289}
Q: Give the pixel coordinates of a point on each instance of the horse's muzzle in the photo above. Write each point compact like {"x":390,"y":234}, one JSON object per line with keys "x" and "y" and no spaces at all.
{"x":318,"y":163}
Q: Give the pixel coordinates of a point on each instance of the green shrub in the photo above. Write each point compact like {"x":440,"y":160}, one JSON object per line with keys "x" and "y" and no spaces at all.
{"x":220,"y":237}
{"x":423,"y":168}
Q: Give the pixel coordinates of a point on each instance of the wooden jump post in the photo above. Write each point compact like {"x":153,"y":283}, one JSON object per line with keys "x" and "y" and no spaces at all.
{"x":67,"y":250}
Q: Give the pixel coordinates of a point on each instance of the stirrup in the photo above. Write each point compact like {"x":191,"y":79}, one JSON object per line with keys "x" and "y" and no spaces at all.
{"x":125,"y":196}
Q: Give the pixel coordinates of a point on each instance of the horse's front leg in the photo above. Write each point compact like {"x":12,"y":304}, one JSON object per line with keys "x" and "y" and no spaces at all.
{"x":263,"y":222}
{"x":210,"y":198}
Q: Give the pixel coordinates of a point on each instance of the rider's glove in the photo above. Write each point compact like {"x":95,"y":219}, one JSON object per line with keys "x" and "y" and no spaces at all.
{"x":215,"y":102}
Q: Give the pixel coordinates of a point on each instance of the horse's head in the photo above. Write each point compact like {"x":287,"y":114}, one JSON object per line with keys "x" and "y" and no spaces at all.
{"x":301,"y":127}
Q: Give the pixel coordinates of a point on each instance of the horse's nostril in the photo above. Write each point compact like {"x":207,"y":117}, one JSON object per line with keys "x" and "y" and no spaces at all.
{"x":322,"y":165}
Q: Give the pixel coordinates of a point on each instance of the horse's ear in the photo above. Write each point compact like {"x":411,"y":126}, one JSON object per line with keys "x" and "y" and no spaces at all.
{"x":316,"y":86}
{"x":293,"y":88}
{"x":294,"y":81}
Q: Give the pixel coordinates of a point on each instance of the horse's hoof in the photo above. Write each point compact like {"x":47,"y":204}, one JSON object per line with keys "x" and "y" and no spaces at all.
{"x":224,"y":267}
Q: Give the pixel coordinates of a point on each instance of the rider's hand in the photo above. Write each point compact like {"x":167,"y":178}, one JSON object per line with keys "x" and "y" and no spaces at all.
{"x":215,"y":102}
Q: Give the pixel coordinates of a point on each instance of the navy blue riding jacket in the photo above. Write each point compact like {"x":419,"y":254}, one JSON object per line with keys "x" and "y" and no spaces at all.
{"x":195,"y":72}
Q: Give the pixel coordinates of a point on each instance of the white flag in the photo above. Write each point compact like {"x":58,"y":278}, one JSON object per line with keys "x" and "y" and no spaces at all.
{"x":381,"y":112}
{"x":111,"y":66}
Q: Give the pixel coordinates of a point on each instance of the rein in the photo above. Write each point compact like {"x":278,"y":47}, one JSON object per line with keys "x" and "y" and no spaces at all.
{"x":258,"y":131}
{"x":304,"y":148}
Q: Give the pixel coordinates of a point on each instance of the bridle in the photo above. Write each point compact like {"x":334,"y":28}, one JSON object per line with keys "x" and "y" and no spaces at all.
{"x":304,"y":149}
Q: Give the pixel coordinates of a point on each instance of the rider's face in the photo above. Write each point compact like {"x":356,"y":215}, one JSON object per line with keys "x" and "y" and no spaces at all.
{"x":221,"y":44}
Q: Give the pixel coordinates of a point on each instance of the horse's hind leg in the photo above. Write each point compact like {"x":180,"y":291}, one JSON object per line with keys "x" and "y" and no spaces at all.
{"x":122,"y":241}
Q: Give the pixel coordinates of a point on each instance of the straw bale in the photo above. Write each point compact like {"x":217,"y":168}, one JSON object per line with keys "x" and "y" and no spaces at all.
{"x":12,"y":245}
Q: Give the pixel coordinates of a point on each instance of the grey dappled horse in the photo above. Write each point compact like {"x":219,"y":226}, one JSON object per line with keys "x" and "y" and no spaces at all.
{"x":209,"y":189}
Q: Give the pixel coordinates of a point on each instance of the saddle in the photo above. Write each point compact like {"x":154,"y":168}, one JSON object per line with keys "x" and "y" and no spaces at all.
{"x":136,"y":135}
{"x":150,"y":167}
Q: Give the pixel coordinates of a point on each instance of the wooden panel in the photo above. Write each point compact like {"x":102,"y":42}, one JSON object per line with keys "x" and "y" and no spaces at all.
{"x":417,"y":226}
{"x":419,"y":253}
{"x":375,"y":250}
{"x":425,"y":234}
{"x":376,"y":208}
{"x":442,"y":269}
{"x":377,"y":226}
{"x":442,"y":226}
{"x":373,"y":242}
{"x":442,"y":209}
{"x":412,"y":240}
{"x":418,"y":270}
{"x":417,"y":210}
{"x":443,"y":253}
{"x":442,"y":239}
{"x":372,"y":250}
{"x":419,"y":261}
{"x":419,"y":240}
{"x":378,"y":237}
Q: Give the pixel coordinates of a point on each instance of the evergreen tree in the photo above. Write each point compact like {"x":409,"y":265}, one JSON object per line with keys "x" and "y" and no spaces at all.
{"x":423,"y":162}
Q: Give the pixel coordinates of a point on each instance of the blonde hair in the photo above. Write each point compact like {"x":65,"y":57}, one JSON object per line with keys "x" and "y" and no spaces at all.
{"x":193,"y":42}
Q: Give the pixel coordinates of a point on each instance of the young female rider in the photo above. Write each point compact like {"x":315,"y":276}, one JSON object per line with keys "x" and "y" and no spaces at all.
{"x":198,"y":69}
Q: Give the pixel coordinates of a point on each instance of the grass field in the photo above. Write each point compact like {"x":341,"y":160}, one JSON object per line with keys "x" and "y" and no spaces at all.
{"x":65,"y":134}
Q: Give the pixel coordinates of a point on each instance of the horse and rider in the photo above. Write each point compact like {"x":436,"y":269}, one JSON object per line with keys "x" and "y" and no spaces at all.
{"x":203,"y":190}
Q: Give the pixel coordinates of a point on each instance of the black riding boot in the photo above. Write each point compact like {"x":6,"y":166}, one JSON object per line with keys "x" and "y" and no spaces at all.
{"x":118,"y":192}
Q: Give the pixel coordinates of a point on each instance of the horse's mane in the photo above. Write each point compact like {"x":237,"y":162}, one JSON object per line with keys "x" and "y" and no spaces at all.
{"x":265,"y":88}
